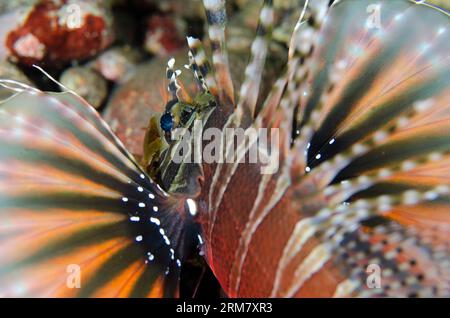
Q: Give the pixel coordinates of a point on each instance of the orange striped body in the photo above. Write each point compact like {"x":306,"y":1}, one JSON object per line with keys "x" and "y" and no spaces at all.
{"x":365,"y":182}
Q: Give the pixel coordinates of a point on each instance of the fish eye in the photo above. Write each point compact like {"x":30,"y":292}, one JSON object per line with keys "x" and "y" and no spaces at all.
{"x":166,"y":122}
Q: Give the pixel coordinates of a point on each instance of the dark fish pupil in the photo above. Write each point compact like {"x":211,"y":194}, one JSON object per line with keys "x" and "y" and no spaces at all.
{"x":166,"y":122}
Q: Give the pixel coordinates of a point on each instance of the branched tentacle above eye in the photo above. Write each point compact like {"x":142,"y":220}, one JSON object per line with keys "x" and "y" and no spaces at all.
{"x":174,"y":87}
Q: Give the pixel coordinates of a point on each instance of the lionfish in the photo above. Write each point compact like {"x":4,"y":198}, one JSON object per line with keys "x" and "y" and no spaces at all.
{"x":363,"y":115}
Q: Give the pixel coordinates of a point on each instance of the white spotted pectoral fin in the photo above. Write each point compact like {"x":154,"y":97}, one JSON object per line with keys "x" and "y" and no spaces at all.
{"x":78,"y":216}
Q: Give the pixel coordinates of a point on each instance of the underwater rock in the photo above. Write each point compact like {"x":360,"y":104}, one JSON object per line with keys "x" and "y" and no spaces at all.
{"x":117,"y":64}
{"x":87,"y":83}
{"x":55,"y":31}
{"x":165,"y":35}
{"x":10,"y":71}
